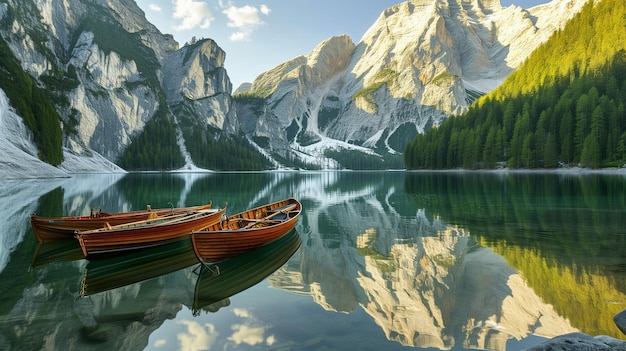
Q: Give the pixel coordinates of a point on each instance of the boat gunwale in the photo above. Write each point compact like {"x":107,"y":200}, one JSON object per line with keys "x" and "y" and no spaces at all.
{"x":162,"y":221}
{"x":48,"y":229}
{"x":298,"y":209}
{"x":97,"y":242}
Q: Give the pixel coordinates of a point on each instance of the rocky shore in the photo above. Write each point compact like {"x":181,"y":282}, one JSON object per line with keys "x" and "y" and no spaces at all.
{"x":584,"y":342}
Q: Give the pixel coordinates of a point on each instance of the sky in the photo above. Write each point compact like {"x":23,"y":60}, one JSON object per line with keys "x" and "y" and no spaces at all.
{"x":259,"y":35}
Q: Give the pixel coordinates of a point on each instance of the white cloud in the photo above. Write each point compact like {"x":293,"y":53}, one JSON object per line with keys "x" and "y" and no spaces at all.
{"x":197,"y":337}
{"x":245,"y":19}
{"x":242,"y":17}
{"x":242,"y":313}
{"x":192,"y":14}
{"x":244,"y":334}
{"x":155,"y":7}
{"x":239,"y":36}
{"x":160,"y":343}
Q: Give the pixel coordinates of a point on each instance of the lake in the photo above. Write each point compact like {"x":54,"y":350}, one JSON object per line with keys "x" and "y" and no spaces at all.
{"x":378,"y":261}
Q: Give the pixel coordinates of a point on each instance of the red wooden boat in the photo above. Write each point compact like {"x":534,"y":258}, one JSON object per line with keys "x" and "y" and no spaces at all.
{"x":58,"y":228}
{"x":144,"y":234}
{"x":245,"y":231}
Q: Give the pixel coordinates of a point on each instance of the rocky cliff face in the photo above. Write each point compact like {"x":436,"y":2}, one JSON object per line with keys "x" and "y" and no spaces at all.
{"x":419,"y":62}
{"x":119,"y":69}
{"x":110,"y":98}
{"x":195,"y":80}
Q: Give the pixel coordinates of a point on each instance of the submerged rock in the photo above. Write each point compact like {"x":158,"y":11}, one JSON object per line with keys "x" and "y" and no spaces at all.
{"x":580,"y":342}
{"x":620,"y":321}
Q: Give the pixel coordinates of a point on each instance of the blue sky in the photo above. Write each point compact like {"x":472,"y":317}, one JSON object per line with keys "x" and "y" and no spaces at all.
{"x":258,"y":35}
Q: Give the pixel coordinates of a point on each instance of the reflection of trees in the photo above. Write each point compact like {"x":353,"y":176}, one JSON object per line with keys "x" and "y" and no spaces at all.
{"x":51,"y":203}
{"x":139,"y":189}
{"x":587,"y":296}
{"x":233,"y":188}
{"x":568,"y":217}
{"x":564,"y":233}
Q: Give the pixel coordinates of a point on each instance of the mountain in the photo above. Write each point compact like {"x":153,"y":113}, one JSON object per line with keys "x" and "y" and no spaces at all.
{"x":99,"y":83}
{"x":110,"y":72}
{"x":420,"y":62}
{"x":563,"y":107}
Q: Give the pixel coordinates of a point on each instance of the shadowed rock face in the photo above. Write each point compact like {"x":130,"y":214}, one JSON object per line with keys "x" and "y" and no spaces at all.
{"x":620,"y":321}
{"x":119,"y":69}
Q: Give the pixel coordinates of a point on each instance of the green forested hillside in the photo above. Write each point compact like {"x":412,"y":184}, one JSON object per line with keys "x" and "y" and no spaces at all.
{"x":155,"y":148}
{"x":564,"y":106}
{"x":212,"y":150}
{"x":33,"y":104}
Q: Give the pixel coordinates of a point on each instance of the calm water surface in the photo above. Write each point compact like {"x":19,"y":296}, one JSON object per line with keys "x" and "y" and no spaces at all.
{"x":378,"y":261}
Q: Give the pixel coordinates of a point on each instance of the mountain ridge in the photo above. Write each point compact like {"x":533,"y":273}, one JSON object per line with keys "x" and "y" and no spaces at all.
{"x":419,"y":63}
{"x":407,"y":74}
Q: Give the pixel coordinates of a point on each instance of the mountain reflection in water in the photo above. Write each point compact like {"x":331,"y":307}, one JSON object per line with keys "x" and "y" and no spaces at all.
{"x":409,"y":260}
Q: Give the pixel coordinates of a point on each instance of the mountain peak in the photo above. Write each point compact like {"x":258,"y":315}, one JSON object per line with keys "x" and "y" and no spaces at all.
{"x":330,"y":57}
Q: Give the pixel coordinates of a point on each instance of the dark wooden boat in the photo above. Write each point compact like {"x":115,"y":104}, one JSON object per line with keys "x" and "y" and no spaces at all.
{"x":58,"y":228}
{"x":144,"y":234}
{"x":213,"y":289}
{"x":114,"y":272}
{"x":245,"y":231}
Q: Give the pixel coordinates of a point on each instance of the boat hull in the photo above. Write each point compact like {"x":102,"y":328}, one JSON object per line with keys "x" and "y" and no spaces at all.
{"x":130,"y":237}
{"x":59,"y":228}
{"x":246,"y":231}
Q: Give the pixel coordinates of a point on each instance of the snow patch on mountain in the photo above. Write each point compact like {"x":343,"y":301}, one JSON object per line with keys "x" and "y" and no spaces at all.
{"x":19,"y":153}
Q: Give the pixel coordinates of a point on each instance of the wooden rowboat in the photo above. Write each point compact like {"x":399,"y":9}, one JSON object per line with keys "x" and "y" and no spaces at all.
{"x":236,"y":274}
{"x":245,"y":231}
{"x":144,"y":234}
{"x":58,"y":228}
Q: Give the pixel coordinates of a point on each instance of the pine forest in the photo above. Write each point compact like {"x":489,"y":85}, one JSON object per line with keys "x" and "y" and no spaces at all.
{"x":565,"y":106}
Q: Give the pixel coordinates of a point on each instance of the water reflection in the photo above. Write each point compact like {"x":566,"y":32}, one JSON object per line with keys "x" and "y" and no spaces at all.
{"x":563,"y":232}
{"x":114,"y":272}
{"x":445,"y":261}
{"x":216,"y":283}
{"x":58,"y":250}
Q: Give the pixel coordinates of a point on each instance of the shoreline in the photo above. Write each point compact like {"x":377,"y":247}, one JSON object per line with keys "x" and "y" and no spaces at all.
{"x":570,"y":171}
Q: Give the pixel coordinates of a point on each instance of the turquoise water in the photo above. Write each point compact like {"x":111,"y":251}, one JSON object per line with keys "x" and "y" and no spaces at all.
{"x":383,"y":261}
